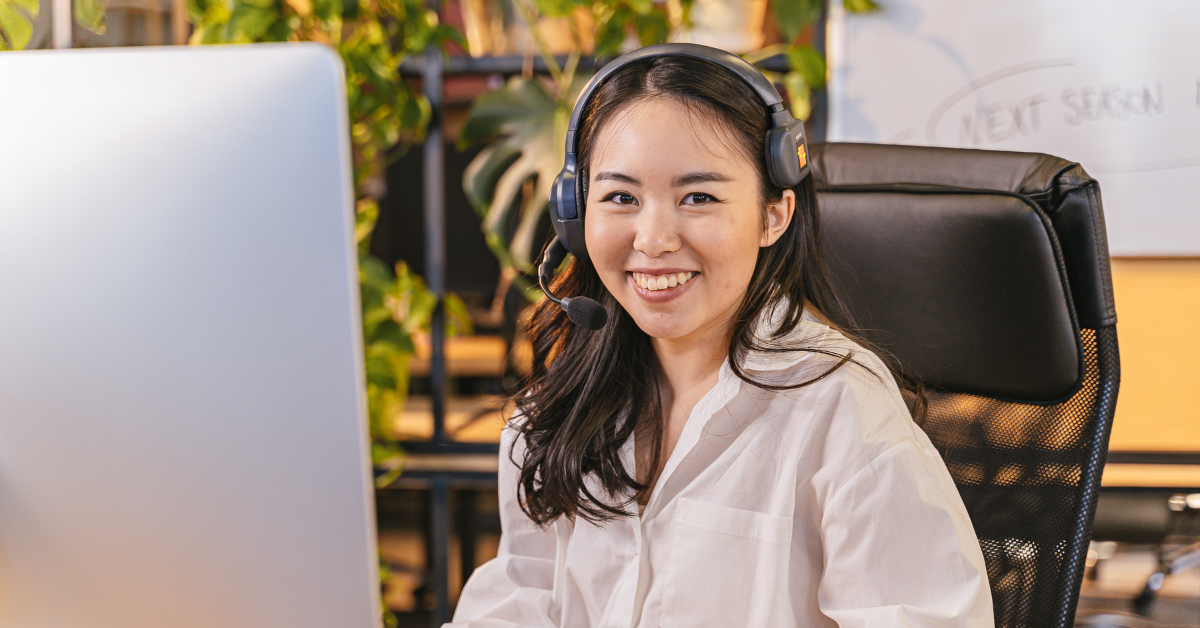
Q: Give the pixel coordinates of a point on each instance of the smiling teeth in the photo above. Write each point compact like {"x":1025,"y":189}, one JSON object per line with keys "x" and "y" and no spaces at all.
{"x":661,"y":282}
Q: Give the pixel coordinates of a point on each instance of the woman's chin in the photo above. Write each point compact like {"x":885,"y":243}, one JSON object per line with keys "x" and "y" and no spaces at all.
{"x":666,"y":326}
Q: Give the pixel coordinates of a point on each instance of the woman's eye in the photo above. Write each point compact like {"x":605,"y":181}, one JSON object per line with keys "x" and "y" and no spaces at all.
{"x":698,"y":198}
{"x":621,"y":198}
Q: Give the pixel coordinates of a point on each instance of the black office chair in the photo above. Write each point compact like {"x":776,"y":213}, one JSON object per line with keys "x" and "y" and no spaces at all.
{"x":986,"y":275}
{"x":1166,"y":521}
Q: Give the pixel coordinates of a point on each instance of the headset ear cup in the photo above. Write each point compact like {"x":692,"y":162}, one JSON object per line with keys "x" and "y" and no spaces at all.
{"x":575,"y":240}
{"x":783,"y":162}
{"x":581,"y":192}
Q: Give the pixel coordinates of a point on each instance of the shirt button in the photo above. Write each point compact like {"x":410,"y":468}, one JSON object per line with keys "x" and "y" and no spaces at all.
{"x":633,"y":547}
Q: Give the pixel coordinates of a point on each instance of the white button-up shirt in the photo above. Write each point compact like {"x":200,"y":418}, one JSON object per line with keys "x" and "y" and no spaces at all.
{"x":823,"y":506}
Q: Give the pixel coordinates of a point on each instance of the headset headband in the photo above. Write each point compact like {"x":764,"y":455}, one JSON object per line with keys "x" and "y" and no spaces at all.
{"x":748,"y":73}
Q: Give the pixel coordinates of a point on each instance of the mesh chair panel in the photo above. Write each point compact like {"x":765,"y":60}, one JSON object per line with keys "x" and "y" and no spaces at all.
{"x":1019,"y":468}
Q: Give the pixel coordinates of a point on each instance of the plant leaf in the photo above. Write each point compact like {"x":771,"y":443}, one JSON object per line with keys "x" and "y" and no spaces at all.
{"x":481,"y":175}
{"x":860,"y":6}
{"x":558,"y":8}
{"x":809,"y":63}
{"x":326,"y":9}
{"x":793,"y":15}
{"x":248,"y":23}
{"x":532,"y":127}
{"x":653,"y":28}
{"x":611,"y":33}
{"x":525,"y":238}
{"x":90,"y":15}
{"x":641,"y":7}
{"x":30,"y":6}
{"x":15,"y":27}
{"x":799,"y":95}
{"x":520,"y":105}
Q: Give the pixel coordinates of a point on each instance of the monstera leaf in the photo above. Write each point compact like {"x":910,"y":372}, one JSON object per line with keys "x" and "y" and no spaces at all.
{"x":509,"y":182}
{"x":16,"y":20}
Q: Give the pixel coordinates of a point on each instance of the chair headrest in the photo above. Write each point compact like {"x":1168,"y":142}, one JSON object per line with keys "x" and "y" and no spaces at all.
{"x":975,"y":269}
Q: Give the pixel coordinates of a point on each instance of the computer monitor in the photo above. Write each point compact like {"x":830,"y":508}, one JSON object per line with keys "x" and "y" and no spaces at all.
{"x":182,"y":418}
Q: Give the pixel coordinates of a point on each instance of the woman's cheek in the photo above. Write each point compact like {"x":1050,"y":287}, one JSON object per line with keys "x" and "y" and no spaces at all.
{"x":605,"y":247}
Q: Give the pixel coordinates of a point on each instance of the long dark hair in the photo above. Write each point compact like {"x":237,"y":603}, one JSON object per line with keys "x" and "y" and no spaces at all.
{"x":578,"y":411}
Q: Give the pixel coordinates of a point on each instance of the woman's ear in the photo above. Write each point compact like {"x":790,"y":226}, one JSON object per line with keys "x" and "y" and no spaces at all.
{"x":779,"y":216}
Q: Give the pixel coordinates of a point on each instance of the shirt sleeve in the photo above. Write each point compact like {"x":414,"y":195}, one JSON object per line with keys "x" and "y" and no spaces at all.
{"x":900,"y":550}
{"x":515,"y":589}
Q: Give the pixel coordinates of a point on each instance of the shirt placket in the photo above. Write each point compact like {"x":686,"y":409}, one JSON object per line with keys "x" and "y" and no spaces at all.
{"x":625,"y":595}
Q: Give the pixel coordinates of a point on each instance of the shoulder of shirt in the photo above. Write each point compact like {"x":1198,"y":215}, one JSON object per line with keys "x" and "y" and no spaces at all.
{"x":819,"y":348}
{"x":858,"y":402}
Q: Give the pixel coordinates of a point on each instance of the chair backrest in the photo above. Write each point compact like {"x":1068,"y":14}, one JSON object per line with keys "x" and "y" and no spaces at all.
{"x":986,"y":274}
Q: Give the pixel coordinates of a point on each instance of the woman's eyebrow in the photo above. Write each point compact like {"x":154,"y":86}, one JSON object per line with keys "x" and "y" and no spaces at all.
{"x":699,"y":177}
{"x":680,"y":181}
{"x":609,"y":175}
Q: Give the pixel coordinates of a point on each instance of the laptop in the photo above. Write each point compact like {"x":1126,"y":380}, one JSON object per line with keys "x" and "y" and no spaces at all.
{"x":182,"y":416}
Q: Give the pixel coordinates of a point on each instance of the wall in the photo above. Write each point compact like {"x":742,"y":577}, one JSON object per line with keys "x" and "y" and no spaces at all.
{"x":1158,"y":310}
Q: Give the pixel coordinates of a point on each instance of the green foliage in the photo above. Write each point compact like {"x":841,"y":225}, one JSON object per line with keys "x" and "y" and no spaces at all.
{"x":16,"y":26}
{"x":860,"y":6}
{"x":373,"y":37}
{"x":648,"y":20}
{"x":530,"y":125}
{"x":809,"y":64}
{"x":396,"y":306}
{"x":90,"y":15}
{"x":793,"y":15}
{"x":16,"y":20}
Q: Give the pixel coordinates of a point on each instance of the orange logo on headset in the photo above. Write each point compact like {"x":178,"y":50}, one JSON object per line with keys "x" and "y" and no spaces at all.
{"x":800,"y":152}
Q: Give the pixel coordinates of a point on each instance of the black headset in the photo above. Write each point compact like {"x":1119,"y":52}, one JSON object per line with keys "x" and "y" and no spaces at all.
{"x":786,"y":148}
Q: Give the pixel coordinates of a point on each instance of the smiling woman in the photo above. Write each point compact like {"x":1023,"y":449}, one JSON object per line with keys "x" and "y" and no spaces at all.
{"x":718,"y":454}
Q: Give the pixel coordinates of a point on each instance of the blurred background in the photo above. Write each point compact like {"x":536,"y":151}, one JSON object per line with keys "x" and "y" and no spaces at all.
{"x":457,"y":119}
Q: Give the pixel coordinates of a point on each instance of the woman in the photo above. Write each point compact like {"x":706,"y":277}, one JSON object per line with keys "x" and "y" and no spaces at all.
{"x":719,"y":454}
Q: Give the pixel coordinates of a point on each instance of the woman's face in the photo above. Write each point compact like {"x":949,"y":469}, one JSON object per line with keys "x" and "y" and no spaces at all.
{"x":674,"y":220}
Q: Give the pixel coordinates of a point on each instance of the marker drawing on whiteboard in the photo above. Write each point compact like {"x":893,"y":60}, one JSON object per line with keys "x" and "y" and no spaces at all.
{"x":1000,"y":121}
{"x":979,"y":83}
{"x":1111,"y":102}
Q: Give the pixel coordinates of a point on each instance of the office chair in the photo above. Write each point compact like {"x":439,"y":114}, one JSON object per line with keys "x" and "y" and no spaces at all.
{"x":986,"y":275}
{"x":1166,"y":522}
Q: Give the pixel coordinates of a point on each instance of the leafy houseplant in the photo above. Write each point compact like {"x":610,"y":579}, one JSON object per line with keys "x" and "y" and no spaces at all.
{"x":16,"y":20}
{"x":372,"y":37}
{"x":509,"y":182}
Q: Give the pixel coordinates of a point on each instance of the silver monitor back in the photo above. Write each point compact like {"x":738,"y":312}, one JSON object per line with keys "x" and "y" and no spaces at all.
{"x":182,"y":421}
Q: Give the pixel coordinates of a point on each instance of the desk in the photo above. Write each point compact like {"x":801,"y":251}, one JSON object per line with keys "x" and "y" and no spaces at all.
{"x":1122,"y":475}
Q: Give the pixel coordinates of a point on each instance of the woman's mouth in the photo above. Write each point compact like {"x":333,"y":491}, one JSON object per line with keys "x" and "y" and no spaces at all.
{"x":661,"y":286}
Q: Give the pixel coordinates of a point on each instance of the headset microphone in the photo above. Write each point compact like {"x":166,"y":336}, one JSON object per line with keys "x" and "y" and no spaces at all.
{"x":582,"y":311}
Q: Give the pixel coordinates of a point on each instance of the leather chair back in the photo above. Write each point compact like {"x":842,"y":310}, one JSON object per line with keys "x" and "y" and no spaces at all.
{"x":986,"y":275}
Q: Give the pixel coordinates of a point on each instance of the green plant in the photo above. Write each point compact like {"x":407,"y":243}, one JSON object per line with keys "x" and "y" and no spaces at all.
{"x":396,"y":306}
{"x":16,"y":20}
{"x":373,"y":37}
{"x":509,"y":182}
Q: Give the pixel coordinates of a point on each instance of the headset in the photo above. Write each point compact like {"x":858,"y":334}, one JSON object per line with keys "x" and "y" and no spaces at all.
{"x":787,"y":164}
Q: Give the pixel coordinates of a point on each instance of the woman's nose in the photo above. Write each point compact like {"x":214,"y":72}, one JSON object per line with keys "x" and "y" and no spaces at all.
{"x":657,"y":232}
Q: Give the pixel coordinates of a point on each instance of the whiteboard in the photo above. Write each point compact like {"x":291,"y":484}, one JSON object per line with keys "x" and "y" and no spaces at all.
{"x":1113,"y":85}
